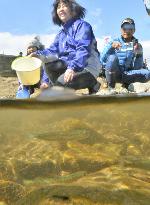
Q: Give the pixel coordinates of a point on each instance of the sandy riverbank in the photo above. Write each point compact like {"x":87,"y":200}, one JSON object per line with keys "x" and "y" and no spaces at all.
{"x":8,"y":87}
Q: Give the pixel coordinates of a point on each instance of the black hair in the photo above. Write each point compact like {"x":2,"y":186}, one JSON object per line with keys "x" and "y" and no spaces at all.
{"x":77,"y":9}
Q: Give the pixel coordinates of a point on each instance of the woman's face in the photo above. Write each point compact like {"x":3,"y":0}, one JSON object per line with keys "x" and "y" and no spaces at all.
{"x":64,"y":12}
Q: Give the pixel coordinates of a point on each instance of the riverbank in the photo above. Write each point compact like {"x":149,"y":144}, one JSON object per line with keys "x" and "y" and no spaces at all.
{"x":9,"y":85}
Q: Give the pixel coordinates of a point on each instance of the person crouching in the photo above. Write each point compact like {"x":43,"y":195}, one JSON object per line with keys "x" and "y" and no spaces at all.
{"x":123,"y":58}
{"x":25,"y":91}
{"x":77,"y":63}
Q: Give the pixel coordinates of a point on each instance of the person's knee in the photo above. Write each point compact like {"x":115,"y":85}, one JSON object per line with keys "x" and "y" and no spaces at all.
{"x":112,"y":58}
{"x":60,"y":80}
{"x":133,"y":76}
{"x":146,"y":73}
{"x":142,"y":72}
{"x":112,"y":63}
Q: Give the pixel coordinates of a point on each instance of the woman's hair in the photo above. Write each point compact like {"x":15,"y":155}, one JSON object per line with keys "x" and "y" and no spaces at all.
{"x":78,"y":10}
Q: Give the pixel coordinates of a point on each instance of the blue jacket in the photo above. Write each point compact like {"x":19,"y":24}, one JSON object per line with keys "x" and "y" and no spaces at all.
{"x":44,"y":76}
{"x":75,"y":44}
{"x":127,"y":57}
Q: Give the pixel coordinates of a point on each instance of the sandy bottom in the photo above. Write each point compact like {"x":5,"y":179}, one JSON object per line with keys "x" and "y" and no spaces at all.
{"x":79,"y":154}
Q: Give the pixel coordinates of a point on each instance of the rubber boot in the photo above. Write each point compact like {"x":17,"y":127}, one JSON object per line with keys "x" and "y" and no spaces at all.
{"x":23,"y":93}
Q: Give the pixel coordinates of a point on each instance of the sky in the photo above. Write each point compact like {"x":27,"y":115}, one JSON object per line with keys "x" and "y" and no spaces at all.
{"x":21,"y":20}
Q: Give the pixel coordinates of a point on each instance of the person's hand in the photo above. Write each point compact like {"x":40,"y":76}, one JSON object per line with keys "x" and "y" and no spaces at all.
{"x":116,"y":45}
{"x":44,"y":86}
{"x":33,"y":55}
{"x":137,"y":46}
{"x":69,"y":75}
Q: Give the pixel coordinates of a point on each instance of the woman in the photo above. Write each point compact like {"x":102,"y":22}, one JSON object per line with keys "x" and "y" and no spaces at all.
{"x":76,"y":63}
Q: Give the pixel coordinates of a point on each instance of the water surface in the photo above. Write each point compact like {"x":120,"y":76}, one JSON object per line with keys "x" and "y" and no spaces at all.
{"x":85,"y":151}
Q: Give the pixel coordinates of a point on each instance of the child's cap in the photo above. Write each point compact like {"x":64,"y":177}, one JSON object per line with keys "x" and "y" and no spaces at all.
{"x":36,"y":43}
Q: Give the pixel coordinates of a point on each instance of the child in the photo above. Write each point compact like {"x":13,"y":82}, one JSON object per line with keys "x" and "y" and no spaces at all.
{"x":25,"y":91}
{"x":77,"y":65}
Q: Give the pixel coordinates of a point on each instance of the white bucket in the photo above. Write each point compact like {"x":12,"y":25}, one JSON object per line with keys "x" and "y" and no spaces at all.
{"x":27,"y":69}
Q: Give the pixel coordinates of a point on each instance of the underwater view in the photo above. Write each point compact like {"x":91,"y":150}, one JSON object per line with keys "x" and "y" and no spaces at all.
{"x":80,"y":152}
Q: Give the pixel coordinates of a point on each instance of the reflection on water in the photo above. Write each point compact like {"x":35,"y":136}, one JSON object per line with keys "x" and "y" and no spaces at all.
{"x":83,"y":153}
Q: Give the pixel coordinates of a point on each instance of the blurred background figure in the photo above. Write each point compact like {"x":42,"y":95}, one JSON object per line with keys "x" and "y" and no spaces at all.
{"x":147,"y":5}
{"x":20,"y":54}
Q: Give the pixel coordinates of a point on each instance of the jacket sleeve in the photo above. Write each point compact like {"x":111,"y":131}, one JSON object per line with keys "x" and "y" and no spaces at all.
{"x":53,"y":50}
{"x":83,"y":39}
{"x":107,"y":51}
{"x":44,"y":76}
{"x":138,"y":61}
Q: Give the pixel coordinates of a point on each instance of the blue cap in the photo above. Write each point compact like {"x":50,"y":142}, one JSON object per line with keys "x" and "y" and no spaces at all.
{"x":127,"y":21}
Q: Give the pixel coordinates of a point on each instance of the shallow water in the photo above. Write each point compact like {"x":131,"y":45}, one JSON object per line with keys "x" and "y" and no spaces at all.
{"x":85,"y":151}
